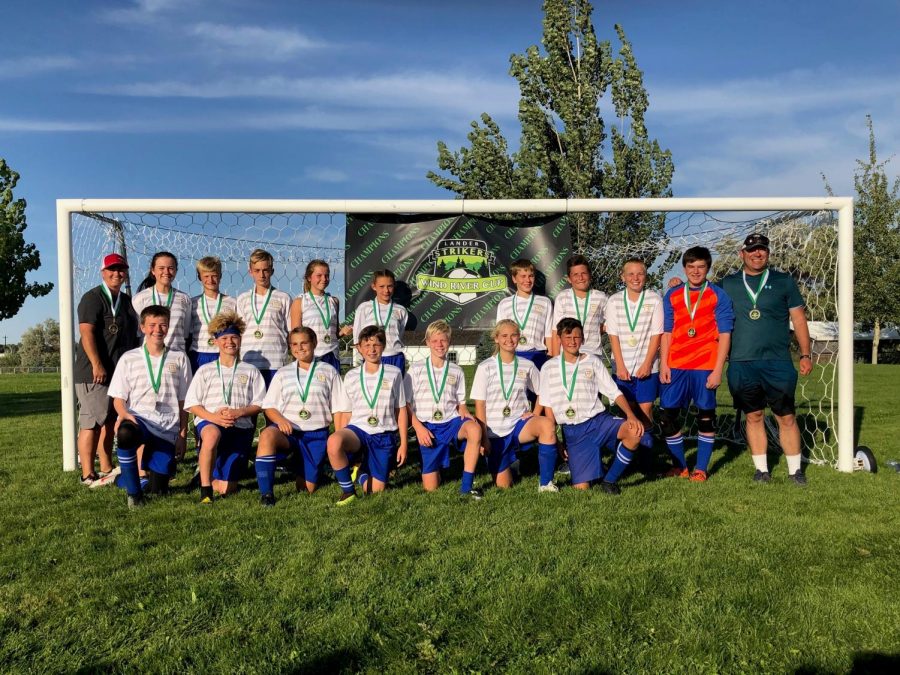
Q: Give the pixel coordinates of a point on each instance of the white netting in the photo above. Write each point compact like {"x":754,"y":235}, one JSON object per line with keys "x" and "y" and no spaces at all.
{"x":802,"y":243}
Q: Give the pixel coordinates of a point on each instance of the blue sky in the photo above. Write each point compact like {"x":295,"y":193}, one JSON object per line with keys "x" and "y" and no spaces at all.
{"x":347,"y":98}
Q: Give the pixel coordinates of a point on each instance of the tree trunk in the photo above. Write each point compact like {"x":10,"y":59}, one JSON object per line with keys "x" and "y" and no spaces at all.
{"x":876,"y":338}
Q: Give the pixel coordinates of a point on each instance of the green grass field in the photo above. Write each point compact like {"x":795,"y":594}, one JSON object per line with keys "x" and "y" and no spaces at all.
{"x":727,"y":576}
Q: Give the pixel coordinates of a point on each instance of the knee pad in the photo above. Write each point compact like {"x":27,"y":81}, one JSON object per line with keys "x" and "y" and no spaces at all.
{"x":706,"y":421}
{"x":668,"y":421}
{"x":129,"y":435}
{"x":158,"y":483}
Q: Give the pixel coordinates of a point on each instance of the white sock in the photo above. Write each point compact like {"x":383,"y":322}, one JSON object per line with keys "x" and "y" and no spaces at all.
{"x":793,"y":462}
{"x":761,"y":462}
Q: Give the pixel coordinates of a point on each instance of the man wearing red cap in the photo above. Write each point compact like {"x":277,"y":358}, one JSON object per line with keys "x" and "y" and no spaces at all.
{"x":760,"y":372}
{"x":109,"y":328}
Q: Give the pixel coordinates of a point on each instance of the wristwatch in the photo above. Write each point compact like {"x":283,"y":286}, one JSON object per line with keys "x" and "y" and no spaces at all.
{"x":806,"y":356}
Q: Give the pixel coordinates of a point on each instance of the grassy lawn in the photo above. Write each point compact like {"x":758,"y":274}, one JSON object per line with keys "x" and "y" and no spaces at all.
{"x":727,"y":576}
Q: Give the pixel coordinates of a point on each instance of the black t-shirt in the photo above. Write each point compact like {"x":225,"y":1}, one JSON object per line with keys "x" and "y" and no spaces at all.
{"x":95,"y":309}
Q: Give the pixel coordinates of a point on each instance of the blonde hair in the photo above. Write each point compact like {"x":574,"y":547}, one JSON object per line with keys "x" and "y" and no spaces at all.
{"x":260,"y":255}
{"x":310,"y":268}
{"x":209,"y":263}
{"x":225,"y":320}
{"x":520,"y":264}
{"x":503,"y":323}
{"x":439,"y":326}
{"x":307,"y":331}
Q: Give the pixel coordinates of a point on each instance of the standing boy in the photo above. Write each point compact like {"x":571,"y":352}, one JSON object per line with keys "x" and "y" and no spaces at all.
{"x":204,"y":308}
{"x":583,"y":303}
{"x":698,"y":318}
{"x":532,"y":313}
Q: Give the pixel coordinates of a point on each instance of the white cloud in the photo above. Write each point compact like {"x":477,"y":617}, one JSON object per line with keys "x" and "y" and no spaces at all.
{"x":274,"y":44}
{"x":143,"y":12}
{"x":28,"y":66}
{"x":326,"y":175}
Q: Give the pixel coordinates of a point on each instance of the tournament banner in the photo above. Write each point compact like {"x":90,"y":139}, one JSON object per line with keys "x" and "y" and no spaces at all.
{"x":453,"y":268}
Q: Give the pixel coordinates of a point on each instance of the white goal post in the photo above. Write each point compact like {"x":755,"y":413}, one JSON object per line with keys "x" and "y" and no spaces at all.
{"x":68,"y":209}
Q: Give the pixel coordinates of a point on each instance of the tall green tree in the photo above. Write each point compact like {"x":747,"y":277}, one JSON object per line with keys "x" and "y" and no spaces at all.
{"x":876,"y":244}
{"x":39,"y":347}
{"x":16,"y":257}
{"x":565,"y":150}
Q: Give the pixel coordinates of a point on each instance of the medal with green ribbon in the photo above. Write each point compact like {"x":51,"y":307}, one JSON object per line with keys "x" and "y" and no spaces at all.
{"x":377,"y":312}
{"x":258,"y":316}
{"x":507,"y":393}
{"x":372,"y":419}
{"x":155,"y":382}
{"x":568,"y":388}
{"x":226,"y":393}
{"x":632,"y":339}
{"x":754,"y":297}
{"x":326,"y":315}
{"x":303,"y":390}
{"x":436,"y":394}
{"x":521,"y":325}
{"x":168,"y":299}
{"x":587,"y":303}
{"x":112,"y":328}
{"x":692,"y":332}
{"x":211,"y":341}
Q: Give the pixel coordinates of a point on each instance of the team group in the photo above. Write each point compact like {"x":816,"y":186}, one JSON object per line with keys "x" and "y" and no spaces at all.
{"x":143,"y":364}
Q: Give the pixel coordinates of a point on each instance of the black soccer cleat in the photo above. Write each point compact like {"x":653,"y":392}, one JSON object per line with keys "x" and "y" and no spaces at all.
{"x":762,"y":476}
{"x":267,"y":500}
{"x":136,"y":501}
{"x":473,"y":495}
{"x":610,"y":488}
{"x":798,"y":478}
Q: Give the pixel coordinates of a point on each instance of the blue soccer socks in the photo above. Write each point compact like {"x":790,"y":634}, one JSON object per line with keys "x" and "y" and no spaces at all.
{"x":265,"y":474}
{"x":468,"y":478}
{"x":704,"y":451}
{"x":676,"y":447}
{"x":620,"y":463}
{"x":344,"y":480}
{"x":547,"y":461}
{"x":131,"y":480}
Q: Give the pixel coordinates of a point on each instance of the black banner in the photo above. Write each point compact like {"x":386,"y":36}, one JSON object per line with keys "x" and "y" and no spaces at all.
{"x":453,"y":268}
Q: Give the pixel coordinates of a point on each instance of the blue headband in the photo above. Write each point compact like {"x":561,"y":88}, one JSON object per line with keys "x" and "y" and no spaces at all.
{"x":230,"y":330}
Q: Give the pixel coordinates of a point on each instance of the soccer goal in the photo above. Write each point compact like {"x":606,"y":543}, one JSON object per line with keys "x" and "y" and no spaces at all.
{"x":811,"y":238}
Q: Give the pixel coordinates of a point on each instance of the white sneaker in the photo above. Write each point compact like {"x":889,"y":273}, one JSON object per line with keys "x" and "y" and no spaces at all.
{"x":549,"y":487}
{"x":107,"y":479}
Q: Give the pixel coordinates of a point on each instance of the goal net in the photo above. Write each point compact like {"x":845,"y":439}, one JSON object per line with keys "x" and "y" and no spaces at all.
{"x":804,"y":243}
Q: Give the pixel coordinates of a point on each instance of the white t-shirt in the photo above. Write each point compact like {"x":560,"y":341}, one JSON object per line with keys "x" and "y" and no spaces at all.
{"x":634,"y":344}
{"x":567,"y":305}
{"x":539,"y":325}
{"x":179,"y":308}
{"x":386,"y":398}
{"x":204,"y":310}
{"x":159,"y":410}
{"x":270,"y":350}
{"x":392,"y":320}
{"x":324,"y":397}
{"x":518,"y":376}
{"x":313,"y":312}
{"x":419,"y":391}
{"x":591,"y":380}
{"x":212,"y":382}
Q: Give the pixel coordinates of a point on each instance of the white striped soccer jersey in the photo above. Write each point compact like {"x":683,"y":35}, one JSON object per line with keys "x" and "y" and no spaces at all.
{"x":374,"y":399}
{"x":533,"y":316}
{"x":585,"y":380}
{"x":504,"y":392}
{"x":314,"y":312}
{"x":391,"y":317}
{"x":215,"y":387}
{"x":592,"y":317}
{"x":264,"y":343}
{"x":179,"y":304}
{"x":447,"y":384}
{"x":132,"y":382}
{"x":204,"y":310}
{"x":320,"y":385}
{"x":647,"y":318}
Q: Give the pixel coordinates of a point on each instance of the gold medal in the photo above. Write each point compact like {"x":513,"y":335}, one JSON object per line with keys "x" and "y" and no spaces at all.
{"x":437,"y":416}
{"x":373,"y":421}
{"x":632,"y":341}
{"x":257,"y":334}
{"x":755,"y":314}
{"x":304,"y":414}
{"x":522,"y":340}
{"x":211,"y":342}
{"x":327,"y":339}
{"x":112,"y":328}
{"x":691,"y":332}
{"x":507,"y":411}
{"x":570,"y":413}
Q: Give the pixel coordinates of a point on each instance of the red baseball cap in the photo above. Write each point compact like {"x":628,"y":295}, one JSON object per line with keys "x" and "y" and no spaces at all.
{"x":113,"y":260}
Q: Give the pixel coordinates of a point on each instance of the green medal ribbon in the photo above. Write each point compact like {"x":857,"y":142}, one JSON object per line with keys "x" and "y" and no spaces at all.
{"x":158,"y":381}
{"x":168,"y":300}
{"x":440,"y":392}
{"x":527,"y":314}
{"x":687,"y":299}
{"x":227,"y":394}
{"x":377,"y":314}
{"x":304,"y":390}
{"x":326,"y":315}
{"x":205,"y":309}
{"x":568,"y":388}
{"x":258,"y":316}
{"x":754,"y":297}
{"x":507,"y":393}
{"x":113,"y":306}
{"x":587,"y":303}
{"x":633,"y":324}
{"x":365,"y":392}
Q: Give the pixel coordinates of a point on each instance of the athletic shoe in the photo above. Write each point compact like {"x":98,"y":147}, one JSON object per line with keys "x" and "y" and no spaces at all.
{"x":798,"y":478}
{"x":136,"y":502}
{"x":677,"y":472}
{"x":346,"y":498}
{"x":89,"y":480}
{"x":762,"y":476}
{"x":610,"y":488}
{"x":549,"y":487}
{"x":354,"y":472}
{"x":564,"y":469}
{"x":106,"y":478}
{"x":698,"y":476}
{"x":267,"y":500}
{"x":473,"y":495}
{"x":206,"y":500}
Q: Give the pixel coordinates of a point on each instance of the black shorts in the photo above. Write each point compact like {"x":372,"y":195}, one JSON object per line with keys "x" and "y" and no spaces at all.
{"x":756,"y":385}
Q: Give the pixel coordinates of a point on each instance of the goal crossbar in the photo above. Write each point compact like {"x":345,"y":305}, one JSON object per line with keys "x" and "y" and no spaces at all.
{"x":66,"y":208}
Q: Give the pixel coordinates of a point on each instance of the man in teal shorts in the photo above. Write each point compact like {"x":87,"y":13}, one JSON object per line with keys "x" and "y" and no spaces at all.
{"x":760,"y":370}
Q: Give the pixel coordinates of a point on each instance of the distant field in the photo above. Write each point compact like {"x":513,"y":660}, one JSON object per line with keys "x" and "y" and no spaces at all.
{"x":727,"y":576}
